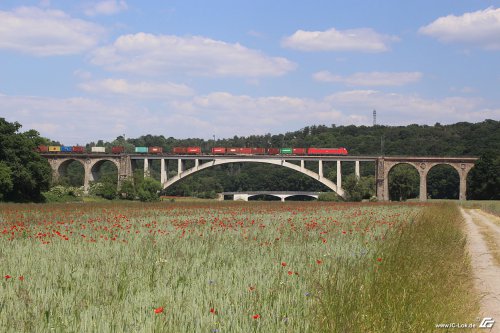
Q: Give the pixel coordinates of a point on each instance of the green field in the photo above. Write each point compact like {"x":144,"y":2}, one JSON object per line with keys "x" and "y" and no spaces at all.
{"x":233,"y":267}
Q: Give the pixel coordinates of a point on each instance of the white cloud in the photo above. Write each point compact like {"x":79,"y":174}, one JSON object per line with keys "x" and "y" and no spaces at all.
{"x":106,"y":7}
{"x":480,"y":28}
{"x":406,"y":109}
{"x":81,"y":120}
{"x":46,"y":32}
{"x":150,"y":54}
{"x":137,"y":89}
{"x":371,"y":79}
{"x":361,"y":40}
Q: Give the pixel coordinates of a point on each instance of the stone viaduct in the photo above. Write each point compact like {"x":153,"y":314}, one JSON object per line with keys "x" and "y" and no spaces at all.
{"x":125,"y":165}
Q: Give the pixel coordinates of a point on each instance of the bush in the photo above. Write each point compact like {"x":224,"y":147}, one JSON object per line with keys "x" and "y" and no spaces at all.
{"x":106,"y":190}
{"x":330,"y":196}
{"x":149,"y":190}
{"x":127,"y":190}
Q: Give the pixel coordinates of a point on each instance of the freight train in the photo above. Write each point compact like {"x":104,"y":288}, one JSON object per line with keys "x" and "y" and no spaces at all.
{"x":197,"y":150}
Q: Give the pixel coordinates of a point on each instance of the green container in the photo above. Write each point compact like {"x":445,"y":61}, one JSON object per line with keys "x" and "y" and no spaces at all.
{"x":141,"y":149}
{"x":286,"y":151}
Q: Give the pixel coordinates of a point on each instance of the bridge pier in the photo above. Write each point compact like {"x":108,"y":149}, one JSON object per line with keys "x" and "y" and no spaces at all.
{"x":356,"y":170}
{"x":163,"y":171}
{"x":339,"y":175}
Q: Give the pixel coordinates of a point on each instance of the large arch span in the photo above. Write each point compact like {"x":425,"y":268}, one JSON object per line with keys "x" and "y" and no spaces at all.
{"x":198,"y":167}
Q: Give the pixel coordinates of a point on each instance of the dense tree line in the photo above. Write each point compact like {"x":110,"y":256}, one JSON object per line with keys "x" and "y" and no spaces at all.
{"x":460,"y":139}
{"x":24,"y":174}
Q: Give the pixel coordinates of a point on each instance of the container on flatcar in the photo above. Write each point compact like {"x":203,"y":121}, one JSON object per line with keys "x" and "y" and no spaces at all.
{"x":43,"y":149}
{"x":218,"y":150}
{"x":98,"y":149}
{"x":193,"y":150}
{"x":327,"y":151}
{"x":141,"y":150}
{"x":66,"y":149}
{"x":245,"y":151}
{"x":258,"y":151}
{"x":286,"y":151}
{"x":273,"y":151}
{"x":117,"y":149}
{"x":54,"y":149}
{"x":232,"y":151}
{"x":155,"y":150}
{"x":299,"y":151}
{"x":179,"y":150}
{"x":78,"y":149}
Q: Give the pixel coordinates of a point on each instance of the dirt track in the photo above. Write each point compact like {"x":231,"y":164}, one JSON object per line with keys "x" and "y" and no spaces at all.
{"x":486,"y":268}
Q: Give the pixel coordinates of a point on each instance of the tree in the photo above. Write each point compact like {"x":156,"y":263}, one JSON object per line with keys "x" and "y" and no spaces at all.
{"x":484,"y":179}
{"x":5,"y":179}
{"x":148,"y":190}
{"x":30,"y":173}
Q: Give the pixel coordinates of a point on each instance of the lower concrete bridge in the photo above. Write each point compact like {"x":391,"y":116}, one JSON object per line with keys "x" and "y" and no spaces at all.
{"x":283,"y":195}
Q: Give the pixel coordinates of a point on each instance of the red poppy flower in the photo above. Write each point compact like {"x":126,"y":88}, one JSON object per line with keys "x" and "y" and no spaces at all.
{"x":256,"y":316}
{"x":283,"y":264}
{"x":290,"y":272}
{"x":212,"y":310}
{"x":8,"y":276}
{"x":379,"y":259}
{"x":251,"y":288}
{"x":319,"y":262}
{"x":21,"y":278}
{"x":159,"y":310}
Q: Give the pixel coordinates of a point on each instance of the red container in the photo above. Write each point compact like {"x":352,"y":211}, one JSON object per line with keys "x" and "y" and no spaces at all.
{"x":155,"y":150}
{"x":218,"y":151}
{"x":179,"y":150}
{"x":43,"y":149}
{"x":193,"y":150}
{"x":245,"y":151}
{"x":78,"y":149}
{"x":232,"y":151}
{"x":327,"y":151}
{"x":299,"y":151}
{"x":273,"y":151}
{"x":258,"y":151}
{"x":117,"y":149}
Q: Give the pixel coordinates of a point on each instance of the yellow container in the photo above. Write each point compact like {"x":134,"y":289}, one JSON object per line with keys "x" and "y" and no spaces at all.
{"x":54,"y":148}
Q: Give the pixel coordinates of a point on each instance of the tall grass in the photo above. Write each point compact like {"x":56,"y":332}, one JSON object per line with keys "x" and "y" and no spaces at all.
{"x":301,"y":267}
{"x":490,"y":206}
{"x":420,"y":277}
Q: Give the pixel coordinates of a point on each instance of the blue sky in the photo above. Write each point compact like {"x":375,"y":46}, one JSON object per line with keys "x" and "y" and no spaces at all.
{"x":79,"y":71}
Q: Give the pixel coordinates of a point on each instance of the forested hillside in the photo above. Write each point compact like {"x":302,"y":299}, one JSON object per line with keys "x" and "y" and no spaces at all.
{"x":461,"y":139}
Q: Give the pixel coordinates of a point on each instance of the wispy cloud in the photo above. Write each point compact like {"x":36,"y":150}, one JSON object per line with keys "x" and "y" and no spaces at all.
{"x":150,"y":54}
{"x":137,"y":89}
{"x":105,"y":7}
{"x":370,"y":79}
{"x":479,"y":28}
{"x":359,"y":40}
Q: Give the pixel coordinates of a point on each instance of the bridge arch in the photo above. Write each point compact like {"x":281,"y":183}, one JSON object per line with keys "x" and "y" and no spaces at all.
{"x":408,"y":178}
{"x":198,"y":167}
{"x":95,"y":167}
{"x":443,"y":171}
{"x":61,"y":170}
{"x":423,"y":165}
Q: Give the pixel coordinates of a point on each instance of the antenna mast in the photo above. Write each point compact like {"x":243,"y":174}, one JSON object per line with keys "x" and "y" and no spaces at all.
{"x":374,"y":117}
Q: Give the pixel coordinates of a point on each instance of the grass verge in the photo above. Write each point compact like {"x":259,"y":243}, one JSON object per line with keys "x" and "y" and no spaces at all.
{"x":419,"y":278}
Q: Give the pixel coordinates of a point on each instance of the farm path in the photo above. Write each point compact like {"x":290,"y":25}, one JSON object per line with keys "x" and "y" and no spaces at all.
{"x":483,"y":238}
